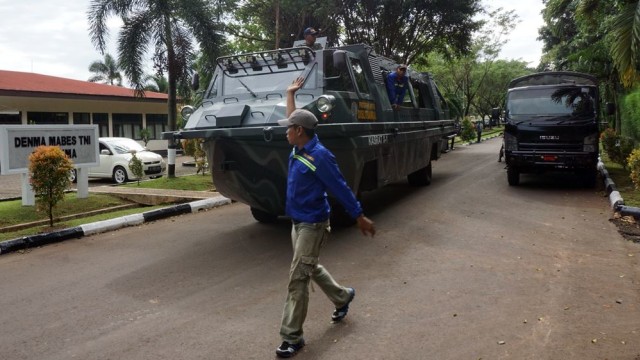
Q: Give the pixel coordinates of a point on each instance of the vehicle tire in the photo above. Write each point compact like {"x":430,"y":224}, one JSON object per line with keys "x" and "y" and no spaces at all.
{"x":421,"y":177}
{"x":513,"y":176}
{"x":589,"y":177}
{"x":119,"y":175}
{"x":73,"y":176}
{"x":263,"y":216}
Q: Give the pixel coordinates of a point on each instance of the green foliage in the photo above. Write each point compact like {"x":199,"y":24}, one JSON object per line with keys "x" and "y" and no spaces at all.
{"x":145,"y":134}
{"x":468,"y":131}
{"x":633,"y":164}
{"x":49,"y":169}
{"x":135,"y":165}
{"x":106,"y":72}
{"x":631,"y":115}
{"x":194,"y":148}
{"x":618,"y":148}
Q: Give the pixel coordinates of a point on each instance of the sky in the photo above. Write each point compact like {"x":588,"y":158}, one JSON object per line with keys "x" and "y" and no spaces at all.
{"x":52,"y":37}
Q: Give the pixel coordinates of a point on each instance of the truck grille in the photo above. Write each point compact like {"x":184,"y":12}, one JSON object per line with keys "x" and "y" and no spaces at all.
{"x":549,"y":147}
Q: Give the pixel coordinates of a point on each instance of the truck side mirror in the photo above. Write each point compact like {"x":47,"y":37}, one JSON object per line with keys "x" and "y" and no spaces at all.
{"x":195,"y":84}
{"x":340,"y":59}
{"x":610,"y":108}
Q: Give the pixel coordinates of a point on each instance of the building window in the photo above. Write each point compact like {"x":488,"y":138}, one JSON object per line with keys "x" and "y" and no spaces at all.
{"x":102,"y":120}
{"x":157,"y":123}
{"x":10,"y":118}
{"x":127,"y":125}
{"x":81,"y":118}
{"x":48,"y":118}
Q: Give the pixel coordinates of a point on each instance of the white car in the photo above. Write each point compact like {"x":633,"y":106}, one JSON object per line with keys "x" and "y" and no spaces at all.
{"x":115,"y":153}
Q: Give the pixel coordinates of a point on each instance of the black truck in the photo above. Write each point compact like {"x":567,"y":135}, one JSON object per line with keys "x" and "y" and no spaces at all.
{"x":345,"y":88}
{"x":551,"y":124}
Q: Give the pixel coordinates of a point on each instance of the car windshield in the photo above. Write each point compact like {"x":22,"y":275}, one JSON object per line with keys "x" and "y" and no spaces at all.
{"x":553,"y":102}
{"x":124,"y":146}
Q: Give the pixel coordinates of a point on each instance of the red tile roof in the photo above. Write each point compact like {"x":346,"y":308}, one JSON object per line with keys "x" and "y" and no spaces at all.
{"x":38,"y":83}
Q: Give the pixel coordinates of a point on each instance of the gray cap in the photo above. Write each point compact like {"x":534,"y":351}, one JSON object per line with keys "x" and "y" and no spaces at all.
{"x":301,"y":117}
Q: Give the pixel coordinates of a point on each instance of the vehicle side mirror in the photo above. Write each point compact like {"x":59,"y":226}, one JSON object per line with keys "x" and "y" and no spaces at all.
{"x":195,"y":83}
{"x":610,"y":108}
{"x":340,"y":59}
{"x":105,"y":152}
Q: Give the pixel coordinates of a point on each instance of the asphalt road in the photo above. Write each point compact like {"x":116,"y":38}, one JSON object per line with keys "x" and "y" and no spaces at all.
{"x":467,"y":268}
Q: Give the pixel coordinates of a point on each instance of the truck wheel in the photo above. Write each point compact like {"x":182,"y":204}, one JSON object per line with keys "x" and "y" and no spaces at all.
{"x":421,"y":177}
{"x":589,"y":178}
{"x":263,"y":216}
{"x":513,"y":176}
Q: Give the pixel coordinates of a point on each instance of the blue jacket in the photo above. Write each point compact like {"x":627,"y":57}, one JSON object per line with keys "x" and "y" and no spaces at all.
{"x":396,"y":88}
{"x":313,"y":171}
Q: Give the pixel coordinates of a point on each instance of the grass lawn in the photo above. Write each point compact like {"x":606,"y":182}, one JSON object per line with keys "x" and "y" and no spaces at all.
{"x":13,"y":213}
{"x":190,"y":182}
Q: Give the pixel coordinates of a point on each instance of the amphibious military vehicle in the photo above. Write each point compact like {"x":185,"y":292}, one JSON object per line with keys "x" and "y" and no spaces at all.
{"x":345,"y":88}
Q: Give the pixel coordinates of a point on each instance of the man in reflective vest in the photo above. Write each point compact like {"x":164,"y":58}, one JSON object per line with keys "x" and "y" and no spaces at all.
{"x":312,"y":172}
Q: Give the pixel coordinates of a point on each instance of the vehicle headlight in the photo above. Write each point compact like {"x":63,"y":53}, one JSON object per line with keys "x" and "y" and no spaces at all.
{"x":589,"y":143}
{"x":510,"y":142}
{"x":186,"y":111}
{"x":325,"y":103}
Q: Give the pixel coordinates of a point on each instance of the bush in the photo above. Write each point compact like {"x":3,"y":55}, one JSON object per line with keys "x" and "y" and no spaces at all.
{"x":630,"y":109}
{"x":633,"y":164}
{"x":618,"y":148}
{"x":194,"y":148}
{"x":135,"y":165}
{"x":49,"y":169}
{"x":468,"y":131}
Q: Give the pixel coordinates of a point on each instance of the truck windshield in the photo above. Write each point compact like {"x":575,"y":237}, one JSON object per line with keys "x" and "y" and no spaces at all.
{"x":552,"y":102}
{"x":276,"y":82}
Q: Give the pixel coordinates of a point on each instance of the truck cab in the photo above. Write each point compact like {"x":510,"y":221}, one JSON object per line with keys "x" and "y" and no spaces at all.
{"x":551,"y":124}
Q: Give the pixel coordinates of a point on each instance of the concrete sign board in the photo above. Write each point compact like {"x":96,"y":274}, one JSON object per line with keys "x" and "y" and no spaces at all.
{"x":17,"y":142}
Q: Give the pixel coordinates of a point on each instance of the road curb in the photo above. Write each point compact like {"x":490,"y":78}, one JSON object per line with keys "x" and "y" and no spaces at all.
{"x":77,"y":232}
{"x":615,"y":199}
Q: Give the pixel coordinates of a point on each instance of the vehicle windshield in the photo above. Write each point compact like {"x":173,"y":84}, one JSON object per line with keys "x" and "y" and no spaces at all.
{"x":124,"y":146}
{"x":257,"y":82}
{"x":551,"y":103}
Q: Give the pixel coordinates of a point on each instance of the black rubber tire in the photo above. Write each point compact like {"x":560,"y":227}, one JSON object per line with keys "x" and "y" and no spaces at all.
{"x":513,"y":176}
{"x":589,"y":177}
{"x":119,"y":175}
{"x":263,"y":216}
{"x":421,"y":177}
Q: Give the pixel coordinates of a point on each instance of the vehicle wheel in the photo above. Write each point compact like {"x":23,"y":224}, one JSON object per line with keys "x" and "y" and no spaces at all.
{"x":263,"y":216}
{"x":73,"y":175}
{"x":119,"y":175}
{"x":513,"y":176}
{"x":589,"y":177}
{"x":421,"y":177}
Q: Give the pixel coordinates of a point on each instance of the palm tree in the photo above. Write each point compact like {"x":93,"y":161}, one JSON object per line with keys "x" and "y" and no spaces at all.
{"x":625,"y":47}
{"x":169,"y":27}
{"x":106,"y":71}
{"x":157,"y":83}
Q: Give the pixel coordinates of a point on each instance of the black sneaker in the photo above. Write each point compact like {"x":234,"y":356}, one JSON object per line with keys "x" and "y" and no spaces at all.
{"x":340,"y":313}
{"x":287,"y":350}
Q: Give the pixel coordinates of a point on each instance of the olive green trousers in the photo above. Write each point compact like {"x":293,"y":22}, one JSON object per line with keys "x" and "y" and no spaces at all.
{"x":307,"y":239}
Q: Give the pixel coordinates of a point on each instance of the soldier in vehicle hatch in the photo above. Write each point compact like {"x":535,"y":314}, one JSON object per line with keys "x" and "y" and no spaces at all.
{"x":312,"y":173}
{"x":397,"y":83}
{"x":310,"y":35}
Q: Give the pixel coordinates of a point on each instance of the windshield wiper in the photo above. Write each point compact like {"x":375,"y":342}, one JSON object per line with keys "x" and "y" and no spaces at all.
{"x":249,"y":90}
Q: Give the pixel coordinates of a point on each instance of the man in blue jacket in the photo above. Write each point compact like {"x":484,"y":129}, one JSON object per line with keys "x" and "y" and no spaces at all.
{"x":397,"y":83}
{"x":312,"y":172}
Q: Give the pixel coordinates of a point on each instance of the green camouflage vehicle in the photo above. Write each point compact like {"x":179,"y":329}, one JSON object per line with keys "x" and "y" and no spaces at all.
{"x":345,"y":88}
